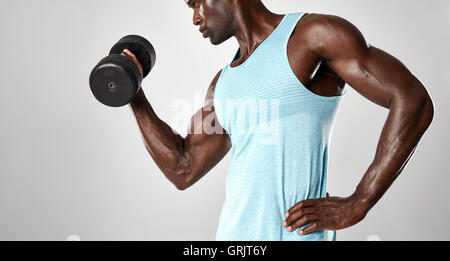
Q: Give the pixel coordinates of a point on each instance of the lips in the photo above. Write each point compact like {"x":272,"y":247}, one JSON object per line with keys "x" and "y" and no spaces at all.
{"x":204,"y":31}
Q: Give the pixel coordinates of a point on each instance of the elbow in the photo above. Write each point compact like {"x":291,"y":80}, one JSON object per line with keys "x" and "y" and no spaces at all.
{"x":431,"y":109}
{"x":427,"y":109}
{"x":177,"y":167}
{"x":183,"y":184}
{"x":427,"y":105}
{"x":178,"y":177}
{"x":419,"y":103}
{"x":424,"y":112}
{"x":182,"y":174}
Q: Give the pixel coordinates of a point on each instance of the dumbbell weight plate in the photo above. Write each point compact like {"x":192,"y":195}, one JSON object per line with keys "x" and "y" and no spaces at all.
{"x":140,"y":47}
{"x":115,"y":80}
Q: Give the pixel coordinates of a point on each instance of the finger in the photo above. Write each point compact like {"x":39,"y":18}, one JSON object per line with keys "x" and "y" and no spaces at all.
{"x":301,"y":204}
{"x":311,"y":228}
{"x":297,"y":215}
{"x":302,"y":221}
{"x":129,"y":53}
{"x":126,"y":54}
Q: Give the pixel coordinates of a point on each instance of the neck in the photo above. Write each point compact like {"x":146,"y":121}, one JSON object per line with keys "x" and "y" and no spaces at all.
{"x":253,"y":24}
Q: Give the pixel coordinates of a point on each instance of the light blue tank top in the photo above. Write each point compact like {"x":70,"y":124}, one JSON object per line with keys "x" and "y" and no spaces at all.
{"x":280,"y":133}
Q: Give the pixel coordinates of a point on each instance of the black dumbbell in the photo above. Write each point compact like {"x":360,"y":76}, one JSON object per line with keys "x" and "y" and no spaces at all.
{"x":116,"y":79}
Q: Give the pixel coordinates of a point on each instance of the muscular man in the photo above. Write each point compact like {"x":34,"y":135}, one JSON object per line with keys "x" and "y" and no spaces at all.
{"x":294,"y":68}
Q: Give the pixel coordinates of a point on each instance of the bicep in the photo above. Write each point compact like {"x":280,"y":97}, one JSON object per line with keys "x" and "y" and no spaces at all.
{"x":205,"y":130}
{"x":375,"y":74}
{"x":207,"y":142}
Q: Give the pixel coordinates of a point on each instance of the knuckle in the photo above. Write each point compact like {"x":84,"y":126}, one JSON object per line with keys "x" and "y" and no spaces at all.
{"x":311,"y":217}
{"x":288,"y":214}
{"x":301,"y":221}
{"x":288,"y":221}
{"x":292,"y":219}
{"x":300,"y":213}
{"x":296,"y":224}
{"x":308,"y":218}
{"x":309,"y":228}
{"x":314,"y":227}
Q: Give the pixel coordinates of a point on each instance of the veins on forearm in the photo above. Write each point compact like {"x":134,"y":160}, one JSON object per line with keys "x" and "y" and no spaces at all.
{"x":165,"y":146}
{"x":404,"y":127}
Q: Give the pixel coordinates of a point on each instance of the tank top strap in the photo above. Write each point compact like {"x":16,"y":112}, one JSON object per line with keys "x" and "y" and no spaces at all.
{"x":287,"y":27}
{"x":283,"y":32}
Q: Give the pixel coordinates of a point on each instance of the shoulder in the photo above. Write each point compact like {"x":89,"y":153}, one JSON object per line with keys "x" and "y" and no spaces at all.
{"x":316,"y":23}
{"x":322,"y":31}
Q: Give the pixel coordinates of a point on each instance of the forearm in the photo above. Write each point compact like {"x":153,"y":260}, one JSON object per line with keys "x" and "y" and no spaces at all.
{"x":407,"y":121}
{"x":165,"y":147}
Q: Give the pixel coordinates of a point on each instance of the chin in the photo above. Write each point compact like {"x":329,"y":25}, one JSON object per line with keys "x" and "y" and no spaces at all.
{"x":214,"y":41}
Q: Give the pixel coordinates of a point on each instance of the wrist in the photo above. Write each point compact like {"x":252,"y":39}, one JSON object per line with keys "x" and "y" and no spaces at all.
{"x":138,"y":99}
{"x":362,"y":203}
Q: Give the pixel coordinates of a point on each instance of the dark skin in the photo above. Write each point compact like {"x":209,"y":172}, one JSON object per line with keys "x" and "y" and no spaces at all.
{"x":325,"y":52}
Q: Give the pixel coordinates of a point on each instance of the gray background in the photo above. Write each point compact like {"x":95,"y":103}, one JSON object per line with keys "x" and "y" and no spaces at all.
{"x":71,"y":166}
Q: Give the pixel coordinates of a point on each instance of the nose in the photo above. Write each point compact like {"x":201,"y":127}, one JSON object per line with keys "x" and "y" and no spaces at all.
{"x":197,"y":18}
